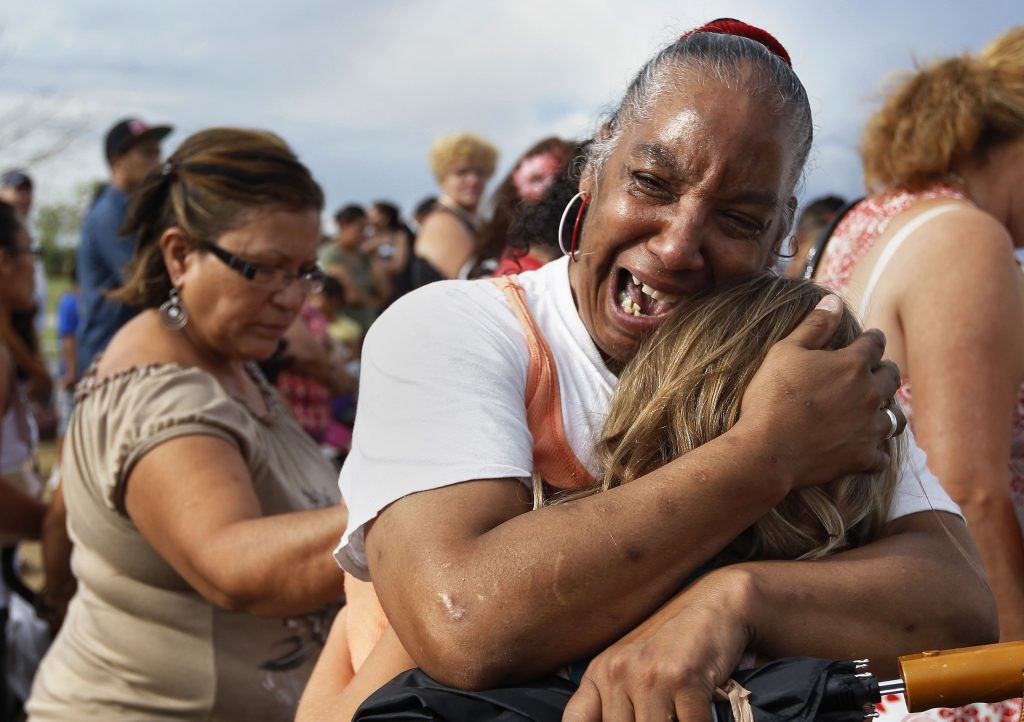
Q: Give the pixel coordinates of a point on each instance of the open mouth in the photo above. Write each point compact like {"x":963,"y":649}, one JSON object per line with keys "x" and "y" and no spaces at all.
{"x":637,"y":298}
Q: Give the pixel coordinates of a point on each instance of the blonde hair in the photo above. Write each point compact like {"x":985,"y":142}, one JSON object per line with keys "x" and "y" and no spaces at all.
{"x":947,"y":112}
{"x":683,"y":389}
{"x":455,"y":148}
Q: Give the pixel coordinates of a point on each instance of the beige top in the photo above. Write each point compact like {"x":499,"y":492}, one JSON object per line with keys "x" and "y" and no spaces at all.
{"x":138,"y":642}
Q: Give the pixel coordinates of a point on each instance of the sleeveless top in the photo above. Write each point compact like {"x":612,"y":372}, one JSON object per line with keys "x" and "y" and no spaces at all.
{"x":422,"y":271}
{"x":853,"y":238}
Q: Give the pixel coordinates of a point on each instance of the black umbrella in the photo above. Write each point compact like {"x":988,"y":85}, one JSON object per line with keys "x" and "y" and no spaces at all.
{"x":790,"y":690}
{"x":802,"y":689}
{"x":793,"y":689}
{"x":416,"y":697}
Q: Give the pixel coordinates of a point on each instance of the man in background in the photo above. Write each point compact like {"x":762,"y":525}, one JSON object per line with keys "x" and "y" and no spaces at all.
{"x":344,"y":259}
{"x":16,"y":189}
{"x":132,"y":151}
{"x":813,"y":220}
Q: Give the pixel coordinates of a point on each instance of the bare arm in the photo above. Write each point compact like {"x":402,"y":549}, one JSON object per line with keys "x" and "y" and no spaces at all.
{"x":500,"y":579}
{"x":885,"y":599}
{"x":56,"y":546}
{"x":20,"y":514}
{"x":962,"y":318}
{"x":40,"y":382}
{"x":192,"y":499}
{"x":68,"y":351}
{"x":332,"y":693}
{"x":445,"y":243}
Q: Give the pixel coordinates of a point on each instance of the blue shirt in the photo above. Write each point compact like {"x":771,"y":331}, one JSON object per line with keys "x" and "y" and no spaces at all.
{"x":102,"y":256}
{"x":67,"y":321}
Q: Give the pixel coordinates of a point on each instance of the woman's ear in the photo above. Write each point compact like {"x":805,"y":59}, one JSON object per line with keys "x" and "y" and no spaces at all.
{"x":177,"y":253}
{"x":785,"y":231}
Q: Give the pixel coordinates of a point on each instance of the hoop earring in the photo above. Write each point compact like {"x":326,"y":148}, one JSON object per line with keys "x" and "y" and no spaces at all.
{"x":173,"y":313}
{"x":576,"y":226}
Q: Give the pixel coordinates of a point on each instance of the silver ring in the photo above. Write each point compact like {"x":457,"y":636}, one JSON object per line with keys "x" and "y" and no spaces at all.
{"x":892,"y":420}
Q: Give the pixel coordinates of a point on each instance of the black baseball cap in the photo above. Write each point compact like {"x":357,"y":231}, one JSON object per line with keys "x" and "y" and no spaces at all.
{"x":15,"y":178}
{"x":131,"y":131}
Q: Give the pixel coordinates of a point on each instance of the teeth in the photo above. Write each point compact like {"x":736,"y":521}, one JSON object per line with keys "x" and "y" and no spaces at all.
{"x":626,"y":301}
{"x":627,"y":304}
{"x":656,"y":294}
{"x":659,"y":295}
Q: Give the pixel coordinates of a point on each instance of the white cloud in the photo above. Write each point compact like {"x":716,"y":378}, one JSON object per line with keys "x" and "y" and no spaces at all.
{"x":362,"y":89}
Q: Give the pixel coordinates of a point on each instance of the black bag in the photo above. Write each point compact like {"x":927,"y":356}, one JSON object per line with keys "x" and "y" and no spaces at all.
{"x":414,"y":696}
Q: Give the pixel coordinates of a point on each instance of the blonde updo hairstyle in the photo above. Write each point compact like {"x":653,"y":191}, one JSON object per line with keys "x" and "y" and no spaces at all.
{"x":454,"y":148}
{"x":951,"y":111}
{"x":683,"y":389}
{"x":214,"y":182}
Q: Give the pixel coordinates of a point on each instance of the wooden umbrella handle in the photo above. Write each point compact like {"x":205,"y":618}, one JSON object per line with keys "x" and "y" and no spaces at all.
{"x":957,"y":677}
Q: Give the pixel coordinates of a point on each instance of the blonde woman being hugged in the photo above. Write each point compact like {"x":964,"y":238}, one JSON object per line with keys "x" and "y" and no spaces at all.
{"x":202,"y":515}
{"x":929,"y":259}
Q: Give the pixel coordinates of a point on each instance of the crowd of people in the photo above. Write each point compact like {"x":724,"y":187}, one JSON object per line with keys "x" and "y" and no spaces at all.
{"x":604,"y":436}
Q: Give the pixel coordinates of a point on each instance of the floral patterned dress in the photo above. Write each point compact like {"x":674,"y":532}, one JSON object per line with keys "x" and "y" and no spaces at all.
{"x":854,"y":237}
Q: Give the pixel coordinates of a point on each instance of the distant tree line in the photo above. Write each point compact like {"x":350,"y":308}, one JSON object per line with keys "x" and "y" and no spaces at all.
{"x":57,"y":228}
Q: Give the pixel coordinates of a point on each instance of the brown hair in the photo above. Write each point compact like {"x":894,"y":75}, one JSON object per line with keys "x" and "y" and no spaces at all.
{"x":683,"y":389}
{"x":947,"y":112}
{"x":507,"y":203}
{"x":211,"y":184}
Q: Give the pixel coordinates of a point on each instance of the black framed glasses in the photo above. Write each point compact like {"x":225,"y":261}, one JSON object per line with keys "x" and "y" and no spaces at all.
{"x":269,"y":278}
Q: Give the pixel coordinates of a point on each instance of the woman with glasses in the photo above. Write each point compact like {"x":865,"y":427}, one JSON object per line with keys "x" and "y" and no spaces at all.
{"x":202,"y":515}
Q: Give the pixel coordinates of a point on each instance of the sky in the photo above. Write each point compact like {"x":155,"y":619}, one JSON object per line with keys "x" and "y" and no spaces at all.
{"x":361,"y":89}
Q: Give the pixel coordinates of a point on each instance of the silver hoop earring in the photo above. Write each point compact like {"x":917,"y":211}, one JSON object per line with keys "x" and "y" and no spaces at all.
{"x":173,"y":313}
{"x":561,"y":223}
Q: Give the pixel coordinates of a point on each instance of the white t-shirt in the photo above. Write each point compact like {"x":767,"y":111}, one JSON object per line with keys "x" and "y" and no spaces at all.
{"x":441,"y":399}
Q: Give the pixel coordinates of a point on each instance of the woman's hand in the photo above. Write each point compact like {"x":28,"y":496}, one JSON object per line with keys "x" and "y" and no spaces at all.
{"x":670,"y":665}
{"x":819,"y":414}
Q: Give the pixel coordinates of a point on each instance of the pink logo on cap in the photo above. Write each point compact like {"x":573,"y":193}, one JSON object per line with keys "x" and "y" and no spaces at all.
{"x":137,"y":127}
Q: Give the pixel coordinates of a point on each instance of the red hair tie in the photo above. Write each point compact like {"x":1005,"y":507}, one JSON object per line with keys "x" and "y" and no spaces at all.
{"x":731,"y":26}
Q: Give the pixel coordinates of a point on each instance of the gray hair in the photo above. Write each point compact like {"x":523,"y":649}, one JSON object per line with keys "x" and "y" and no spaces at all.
{"x":732,"y":61}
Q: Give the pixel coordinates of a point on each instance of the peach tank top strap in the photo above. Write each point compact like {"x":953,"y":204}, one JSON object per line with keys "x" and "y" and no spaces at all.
{"x":553,"y":456}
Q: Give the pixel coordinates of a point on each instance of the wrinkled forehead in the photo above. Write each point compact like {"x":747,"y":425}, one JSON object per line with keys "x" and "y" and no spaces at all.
{"x":710,"y":131}
{"x":743,"y":93}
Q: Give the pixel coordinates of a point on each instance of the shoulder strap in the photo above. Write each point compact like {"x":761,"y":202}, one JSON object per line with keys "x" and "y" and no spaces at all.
{"x":553,"y":456}
{"x":894,"y":245}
